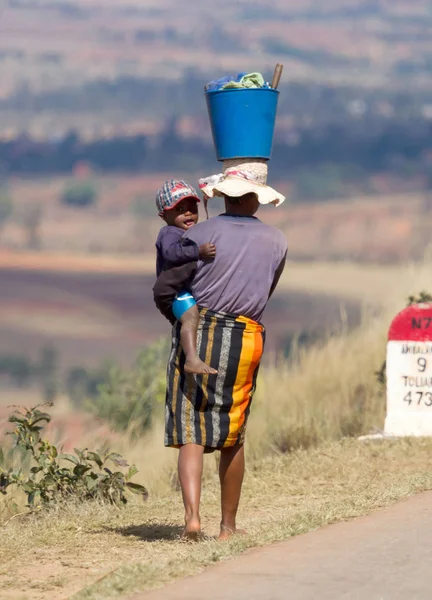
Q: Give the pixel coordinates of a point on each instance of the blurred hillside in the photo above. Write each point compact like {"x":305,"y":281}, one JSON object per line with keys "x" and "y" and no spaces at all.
{"x":390,"y":228}
{"x":86,"y":39}
{"x":101,"y":65}
{"x":119,"y":86}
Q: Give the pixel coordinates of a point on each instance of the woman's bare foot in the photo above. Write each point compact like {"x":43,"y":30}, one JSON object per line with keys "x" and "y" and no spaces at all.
{"x":197,"y":366}
{"x":192,"y":531}
{"x":227,"y":532}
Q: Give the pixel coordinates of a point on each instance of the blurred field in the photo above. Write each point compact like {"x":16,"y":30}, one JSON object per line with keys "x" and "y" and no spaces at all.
{"x":89,"y":289}
{"x":374,"y":229}
{"x":92,"y":314}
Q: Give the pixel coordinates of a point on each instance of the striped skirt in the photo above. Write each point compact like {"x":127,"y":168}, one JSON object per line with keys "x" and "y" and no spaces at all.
{"x":212,"y":410}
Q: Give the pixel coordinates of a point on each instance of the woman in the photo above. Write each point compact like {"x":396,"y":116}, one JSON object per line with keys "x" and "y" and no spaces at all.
{"x":210,"y":412}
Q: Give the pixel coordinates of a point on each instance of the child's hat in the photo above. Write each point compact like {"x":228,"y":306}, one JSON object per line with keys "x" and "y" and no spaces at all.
{"x":242,"y":176}
{"x":173,"y":192}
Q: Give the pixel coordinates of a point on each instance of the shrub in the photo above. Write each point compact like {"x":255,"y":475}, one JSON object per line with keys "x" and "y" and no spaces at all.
{"x":49,"y":481}
{"x":83,"y":383}
{"x":128,"y":399}
{"x":80,"y":194}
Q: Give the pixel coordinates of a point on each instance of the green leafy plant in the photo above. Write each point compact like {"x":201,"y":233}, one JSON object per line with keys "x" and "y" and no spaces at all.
{"x":51,"y":480}
{"x":422,"y":298}
{"x":381,"y":374}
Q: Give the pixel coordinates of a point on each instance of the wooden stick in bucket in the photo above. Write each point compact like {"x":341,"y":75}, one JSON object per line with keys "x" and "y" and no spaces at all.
{"x":276,"y":76}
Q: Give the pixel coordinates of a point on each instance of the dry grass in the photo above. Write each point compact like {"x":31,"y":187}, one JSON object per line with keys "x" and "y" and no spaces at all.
{"x":328,"y":393}
{"x":331,"y":391}
{"x":137,"y":548}
{"x":309,"y":407}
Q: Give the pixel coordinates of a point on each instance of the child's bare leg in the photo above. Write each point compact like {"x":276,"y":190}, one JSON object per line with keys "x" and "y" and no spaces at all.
{"x":188,"y":335}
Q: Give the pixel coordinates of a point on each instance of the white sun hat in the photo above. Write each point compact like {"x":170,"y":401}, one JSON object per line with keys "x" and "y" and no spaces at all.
{"x":240,"y":178}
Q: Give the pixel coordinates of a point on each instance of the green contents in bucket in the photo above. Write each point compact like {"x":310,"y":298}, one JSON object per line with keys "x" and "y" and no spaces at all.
{"x":242,"y":81}
{"x":251,"y":80}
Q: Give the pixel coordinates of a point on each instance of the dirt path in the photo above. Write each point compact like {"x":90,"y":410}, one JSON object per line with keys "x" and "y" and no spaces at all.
{"x":385,"y":556}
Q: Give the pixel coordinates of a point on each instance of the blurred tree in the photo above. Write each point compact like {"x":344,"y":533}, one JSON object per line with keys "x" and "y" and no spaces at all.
{"x":80,"y":194}
{"x":18,"y":368}
{"x":31,"y":218}
{"x":83,"y":384}
{"x":47,"y":370}
{"x":6,"y":207}
{"x":76,"y":384}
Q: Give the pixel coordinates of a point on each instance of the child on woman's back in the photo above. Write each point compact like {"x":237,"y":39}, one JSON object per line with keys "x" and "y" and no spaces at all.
{"x":177,"y":203}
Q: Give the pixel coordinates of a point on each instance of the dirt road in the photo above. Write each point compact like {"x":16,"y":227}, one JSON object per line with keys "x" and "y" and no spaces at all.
{"x":385,"y":556}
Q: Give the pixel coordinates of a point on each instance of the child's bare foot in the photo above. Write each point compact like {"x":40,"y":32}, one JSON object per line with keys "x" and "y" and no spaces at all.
{"x":195,"y":365}
{"x":227,"y":532}
{"x":192,"y":531}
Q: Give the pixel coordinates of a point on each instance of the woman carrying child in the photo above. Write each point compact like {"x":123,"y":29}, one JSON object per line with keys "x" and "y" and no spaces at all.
{"x":210,"y":411}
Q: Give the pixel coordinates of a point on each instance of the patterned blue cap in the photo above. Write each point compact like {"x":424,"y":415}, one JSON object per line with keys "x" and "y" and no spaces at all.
{"x":172,"y":192}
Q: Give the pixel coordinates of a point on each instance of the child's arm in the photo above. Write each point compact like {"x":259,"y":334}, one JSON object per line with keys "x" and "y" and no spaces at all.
{"x":177,"y":251}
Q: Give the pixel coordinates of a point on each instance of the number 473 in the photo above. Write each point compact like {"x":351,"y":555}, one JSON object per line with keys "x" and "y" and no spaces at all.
{"x":425,"y":396}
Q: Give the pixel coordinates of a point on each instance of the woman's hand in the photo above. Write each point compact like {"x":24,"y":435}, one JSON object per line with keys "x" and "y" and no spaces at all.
{"x":207,"y":251}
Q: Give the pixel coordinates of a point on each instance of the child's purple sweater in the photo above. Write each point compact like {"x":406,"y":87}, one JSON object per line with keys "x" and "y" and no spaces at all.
{"x":172,"y":250}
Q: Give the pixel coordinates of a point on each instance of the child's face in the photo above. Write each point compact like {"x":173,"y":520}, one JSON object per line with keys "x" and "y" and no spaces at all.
{"x":183,"y":215}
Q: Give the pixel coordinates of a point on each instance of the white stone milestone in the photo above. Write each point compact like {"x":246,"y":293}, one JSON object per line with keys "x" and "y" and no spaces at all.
{"x":409,"y":373}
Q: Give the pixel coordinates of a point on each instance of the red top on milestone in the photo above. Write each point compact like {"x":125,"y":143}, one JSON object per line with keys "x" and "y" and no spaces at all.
{"x":414,"y":324}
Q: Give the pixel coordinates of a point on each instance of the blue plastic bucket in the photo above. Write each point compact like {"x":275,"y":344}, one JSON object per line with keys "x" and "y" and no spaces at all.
{"x":243,"y":122}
